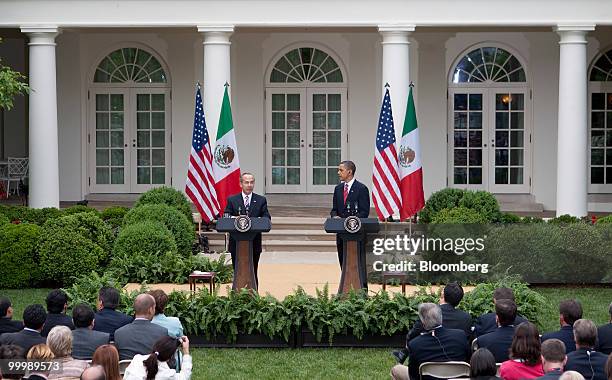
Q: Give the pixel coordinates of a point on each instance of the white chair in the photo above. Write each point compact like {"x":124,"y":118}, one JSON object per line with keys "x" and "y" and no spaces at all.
{"x":445,"y":370}
{"x":498,"y":366}
{"x":17,"y":170}
{"x":474,"y":345}
{"x":123,"y":364}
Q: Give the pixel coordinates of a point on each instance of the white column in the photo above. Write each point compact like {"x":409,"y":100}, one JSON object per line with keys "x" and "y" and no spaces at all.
{"x":44,"y":160}
{"x":396,"y":69}
{"x":572,"y":132}
{"x":217,"y":72}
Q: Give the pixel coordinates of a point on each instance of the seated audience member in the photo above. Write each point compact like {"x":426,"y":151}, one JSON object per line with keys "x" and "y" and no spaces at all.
{"x":436,"y":344}
{"x":585,"y":360}
{"x":604,"y":336}
{"x":553,"y":359}
{"x":155,"y":365}
{"x":40,"y":352}
{"x":85,"y":340}
{"x":57,"y":303}
{"x":173,"y":324}
{"x":59,"y":341}
{"x":7,"y":324}
{"x":483,"y":366}
{"x":107,"y":356}
{"x":524,"y":362}
{"x":107,"y":318}
{"x":34,"y":317}
{"x":11,"y":352}
{"x":500,"y":340}
{"x":486,"y":322}
{"x":569,"y":312}
{"x":571,"y":375}
{"x":139,"y":336}
{"x":452,"y":318}
{"x":95,"y":372}
{"x":609,"y":367}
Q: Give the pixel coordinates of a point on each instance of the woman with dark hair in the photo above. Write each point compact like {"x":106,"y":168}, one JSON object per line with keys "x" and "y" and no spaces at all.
{"x":483,"y":366}
{"x":107,"y":356}
{"x":525,"y":359}
{"x":155,"y":366}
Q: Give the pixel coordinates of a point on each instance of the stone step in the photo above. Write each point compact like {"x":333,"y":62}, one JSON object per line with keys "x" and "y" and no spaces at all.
{"x":306,"y":235}
{"x":298,"y":246}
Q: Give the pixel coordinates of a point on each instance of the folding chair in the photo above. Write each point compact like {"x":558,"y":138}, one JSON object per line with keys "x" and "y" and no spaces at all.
{"x":445,"y":370}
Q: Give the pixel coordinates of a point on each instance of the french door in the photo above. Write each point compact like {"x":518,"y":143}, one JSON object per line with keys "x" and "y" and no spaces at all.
{"x":128,"y":140}
{"x":305,"y":134}
{"x":489,"y":139}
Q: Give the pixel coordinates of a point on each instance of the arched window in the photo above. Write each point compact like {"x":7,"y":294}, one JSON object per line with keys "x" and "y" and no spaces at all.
{"x":489,"y":64}
{"x":600,"y":123}
{"x":129,"y":65}
{"x":306,"y":64}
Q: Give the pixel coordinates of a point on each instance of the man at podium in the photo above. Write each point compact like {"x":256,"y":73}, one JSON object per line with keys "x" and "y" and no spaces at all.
{"x":251,"y":204}
{"x":351,"y":197}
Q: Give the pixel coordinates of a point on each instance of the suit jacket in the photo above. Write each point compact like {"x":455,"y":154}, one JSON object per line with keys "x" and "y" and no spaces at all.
{"x":441,"y":346}
{"x":7,"y":325}
{"x":552,"y":375}
{"x":566,"y":335}
{"x":452,"y":318}
{"x":358,"y":195}
{"x":258,"y":208}
{"x":86,"y":341}
{"x":24,"y":339}
{"x":137,"y":338}
{"x":108,"y":320}
{"x":486,"y":323}
{"x":498,"y":342}
{"x":53,"y":320}
{"x":592,"y":365}
{"x":604,"y":339}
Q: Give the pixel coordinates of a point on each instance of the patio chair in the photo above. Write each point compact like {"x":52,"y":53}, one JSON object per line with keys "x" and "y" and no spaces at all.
{"x":17,"y":171}
{"x":123,"y":364}
{"x":445,"y":370}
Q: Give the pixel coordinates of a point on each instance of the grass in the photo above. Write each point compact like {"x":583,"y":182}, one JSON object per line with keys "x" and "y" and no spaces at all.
{"x":330,"y":363}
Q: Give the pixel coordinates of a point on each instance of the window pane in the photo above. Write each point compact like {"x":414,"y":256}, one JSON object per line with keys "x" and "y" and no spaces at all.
{"x":102,"y":157}
{"x":158,"y":120}
{"x":101,"y":102}
{"x":143,"y":176}
{"x":516,"y":120}
{"x":293,"y":176}
{"x":102,"y":120}
{"x":475,"y":157}
{"x":475,"y":176}
{"x":516,"y":139}
{"x":501,"y":157}
{"x":609,"y":119}
{"x":157,"y":102}
{"x":102,"y":139}
{"x":333,"y":156}
{"x":609,"y":139}
{"x":475,"y":102}
{"x":501,"y":139}
{"x":319,"y":176}
{"x":143,"y":157}
{"x":278,"y":120}
{"x":460,"y":176}
{"x":293,"y":120}
{"x":597,"y":119}
{"x":158,"y":175}
{"x":278,"y":139}
{"x":116,"y":102}
{"x":278,"y":102}
{"x":143,"y":102}
{"x":293,"y":102}
{"x":116,"y":120}
{"x":502,"y":101}
{"x":102,"y":176}
{"x":460,"y":157}
{"x":609,"y":175}
{"x":460,"y":102}
{"x":117,"y":176}
{"x":501,"y":120}
{"x":158,"y":139}
{"x":460,"y":120}
{"x":597,"y":156}
{"x":278,"y":157}
{"x":475,"y":120}
{"x":318,"y":157}
{"x":318,"y":140}
{"x":475,"y":139}
{"x":460,"y":138}
{"x":597,"y":175}
{"x":501,"y":176}
{"x":334,"y":139}
{"x":517,"y":102}
{"x":333,"y":102}
{"x":143,"y":120}
{"x":293,"y":157}
{"x":598,"y":101}
{"x":516,"y":176}
{"x":278,"y":176}
{"x":318,"y":120}
{"x":318,"y":102}
{"x":332,"y":176}
{"x":516,"y":157}
{"x":334,"y":120}
{"x":158,"y":157}
{"x":116,"y":139}
{"x":597,"y":138}
{"x":143,"y":139}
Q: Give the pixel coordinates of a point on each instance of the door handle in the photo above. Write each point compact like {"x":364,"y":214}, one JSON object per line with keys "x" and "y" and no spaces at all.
{"x":126,"y":145}
{"x":310,"y":145}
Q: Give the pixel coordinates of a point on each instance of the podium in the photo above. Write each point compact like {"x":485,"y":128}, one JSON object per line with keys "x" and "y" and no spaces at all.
{"x":353,"y":232}
{"x":243,"y":230}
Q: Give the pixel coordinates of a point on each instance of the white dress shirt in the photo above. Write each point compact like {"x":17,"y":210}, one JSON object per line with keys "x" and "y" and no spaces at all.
{"x":136,"y":370}
{"x":349,"y":183}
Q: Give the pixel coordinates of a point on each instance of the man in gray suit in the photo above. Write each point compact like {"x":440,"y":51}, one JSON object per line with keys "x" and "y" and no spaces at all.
{"x":139,"y":336}
{"x":85,"y":340}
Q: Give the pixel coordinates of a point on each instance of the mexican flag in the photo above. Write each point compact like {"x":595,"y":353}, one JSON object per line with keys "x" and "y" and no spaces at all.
{"x":225,"y":156}
{"x":410,"y":169}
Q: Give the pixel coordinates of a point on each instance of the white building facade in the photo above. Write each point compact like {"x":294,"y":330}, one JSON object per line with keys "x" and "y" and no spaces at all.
{"x":515,"y":99}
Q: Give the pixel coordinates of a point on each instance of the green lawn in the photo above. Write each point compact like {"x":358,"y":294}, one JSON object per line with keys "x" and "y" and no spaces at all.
{"x":331,"y":363}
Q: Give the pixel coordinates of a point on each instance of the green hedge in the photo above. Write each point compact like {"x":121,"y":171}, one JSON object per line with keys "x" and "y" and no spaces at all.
{"x":30,"y":215}
{"x":459,"y":215}
{"x":447,"y":199}
{"x":181,"y":228}
{"x":168,"y":196}
{"x":77,"y":209}
{"x":113,"y":216}
{"x":18,"y":255}
{"x":87,"y":224}
{"x":144,"y":238}
{"x":605,"y":220}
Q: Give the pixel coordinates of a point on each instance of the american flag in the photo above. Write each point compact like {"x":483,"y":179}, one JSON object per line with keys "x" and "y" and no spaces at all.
{"x":385,"y":176}
{"x":200,"y":187}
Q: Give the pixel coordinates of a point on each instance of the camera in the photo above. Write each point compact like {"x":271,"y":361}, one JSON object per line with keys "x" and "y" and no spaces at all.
{"x":179,"y":341}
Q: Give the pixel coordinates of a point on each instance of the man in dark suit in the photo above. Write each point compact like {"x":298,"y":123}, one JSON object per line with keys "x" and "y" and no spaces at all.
{"x":351,"y":197}
{"x":452,"y":318}
{"x":569,"y":312}
{"x":553,"y":359}
{"x":251,"y":204}
{"x":107,"y":318}
{"x":585,"y":360}
{"x":85,"y":341}
{"x":604,"y":336}
{"x":34,"y":317}
{"x":7,"y":325}
{"x":500,"y":340}
{"x":435,"y":344}
{"x":139,"y":336}
{"x":486,"y":323}
{"x":57,"y":303}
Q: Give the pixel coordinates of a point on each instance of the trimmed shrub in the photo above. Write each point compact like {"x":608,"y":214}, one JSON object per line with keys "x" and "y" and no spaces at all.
{"x":18,"y":255}
{"x":531,"y":220}
{"x":30,"y":215}
{"x":90,"y":226}
{"x":181,"y":228}
{"x":66,"y":255}
{"x":459,"y":215}
{"x":605,"y":220}
{"x":144,"y":238}
{"x":507,"y":218}
{"x":444,"y":199}
{"x":114,"y":216}
{"x":77,"y":209}
{"x":168,"y":196}
{"x":564,"y":219}
{"x":483,"y":202}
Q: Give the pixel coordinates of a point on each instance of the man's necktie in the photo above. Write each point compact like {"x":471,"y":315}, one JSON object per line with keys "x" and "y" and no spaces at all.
{"x":246,"y":202}
{"x":345,"y":192}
